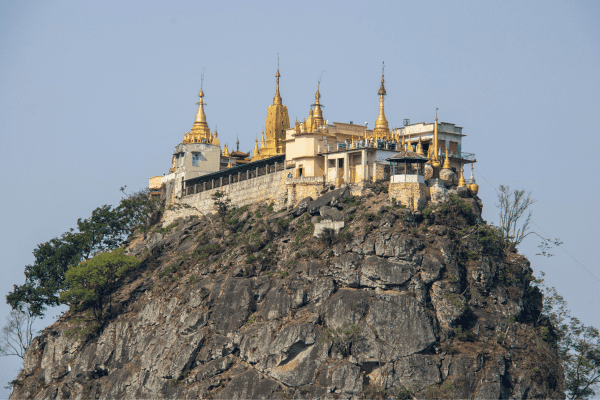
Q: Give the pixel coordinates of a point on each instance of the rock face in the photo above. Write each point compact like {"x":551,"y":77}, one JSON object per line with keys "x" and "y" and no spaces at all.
{"x":255,"y":307}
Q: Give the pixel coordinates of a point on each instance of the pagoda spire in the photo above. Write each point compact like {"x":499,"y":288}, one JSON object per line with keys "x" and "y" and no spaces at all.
{"x":434,"y":157}
{"x":277,"y":99}
{"x":200,"y":131}
{"x":200,"y":115}
{"x":381,"y":125}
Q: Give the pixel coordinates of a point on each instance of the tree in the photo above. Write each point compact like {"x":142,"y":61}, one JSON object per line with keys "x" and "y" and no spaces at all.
{"x":577,"y":345}
{"x":105,"y":230}
{"x":513,"y":206}
{"x":221,"y":203}
{"x":17,"y":334}
{"x":90,"y":282}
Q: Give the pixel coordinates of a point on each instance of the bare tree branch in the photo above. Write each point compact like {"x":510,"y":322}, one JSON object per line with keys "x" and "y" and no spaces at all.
{"x":513,"y":206}
{"x":17,"y":334}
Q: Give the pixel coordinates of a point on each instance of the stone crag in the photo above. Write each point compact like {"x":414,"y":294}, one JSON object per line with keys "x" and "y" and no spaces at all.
{"x":252,"y":306}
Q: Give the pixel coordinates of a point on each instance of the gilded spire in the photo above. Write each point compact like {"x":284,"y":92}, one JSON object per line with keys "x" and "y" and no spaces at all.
{"x":277,"y":99}
{"x":262,"y":141}
{"x":420,"y":147}
{"x":434,"y":158}
{"x":215,"y":141}
{"x":447,"y":160}
{"x":225,"y":151}
{"x":255,"y":149}
{"x":200,"y":115}
{"x":237,"y":144}
{"x":200,"y":132}
{"x":276,"y":123}
{"x":381,"y":125}
{"x":461,"y":180}
{"x":318,"y":113}
{"x":229,"y":163}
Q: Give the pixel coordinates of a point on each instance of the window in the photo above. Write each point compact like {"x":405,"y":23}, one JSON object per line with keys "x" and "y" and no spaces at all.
{"x":195,"y":159}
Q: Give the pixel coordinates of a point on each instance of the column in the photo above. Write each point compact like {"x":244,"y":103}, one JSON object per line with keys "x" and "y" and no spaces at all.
{"x":326,"y":166}
{"x":364,"y":165}
{"x":347,"y":168}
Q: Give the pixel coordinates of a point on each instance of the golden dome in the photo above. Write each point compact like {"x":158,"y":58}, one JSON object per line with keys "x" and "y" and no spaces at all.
{"x":215,"y":140}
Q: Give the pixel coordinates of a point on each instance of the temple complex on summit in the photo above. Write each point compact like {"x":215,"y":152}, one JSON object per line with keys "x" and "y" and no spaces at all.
{"x":419,"y":161}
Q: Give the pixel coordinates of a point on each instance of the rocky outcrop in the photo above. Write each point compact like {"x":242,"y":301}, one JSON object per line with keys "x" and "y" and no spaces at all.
{"x":253,"y":306}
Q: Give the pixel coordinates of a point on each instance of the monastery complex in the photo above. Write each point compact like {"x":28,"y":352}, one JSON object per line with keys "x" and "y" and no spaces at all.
{"x":420,"y":162}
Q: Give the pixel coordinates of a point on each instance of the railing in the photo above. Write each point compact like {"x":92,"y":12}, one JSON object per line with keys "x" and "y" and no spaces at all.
{"x":459,"y":155}
{"x":222,"y":178}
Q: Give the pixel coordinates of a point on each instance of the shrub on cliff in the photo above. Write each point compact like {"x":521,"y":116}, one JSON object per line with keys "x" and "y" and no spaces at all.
{"x":90,"y":282}
{"x":105,"y":230}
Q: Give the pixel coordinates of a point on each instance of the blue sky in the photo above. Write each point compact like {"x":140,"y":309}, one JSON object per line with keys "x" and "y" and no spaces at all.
{"x":95,"y":95}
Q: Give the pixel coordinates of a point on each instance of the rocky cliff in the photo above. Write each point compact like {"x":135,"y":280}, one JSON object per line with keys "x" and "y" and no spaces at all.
{"x":251,"y":305}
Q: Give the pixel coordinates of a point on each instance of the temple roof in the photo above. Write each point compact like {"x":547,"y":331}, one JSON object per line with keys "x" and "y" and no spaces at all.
{"x":408,"y":155}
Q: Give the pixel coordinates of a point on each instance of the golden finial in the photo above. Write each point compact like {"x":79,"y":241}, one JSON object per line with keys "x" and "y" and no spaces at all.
{"x":461,"y":180}
{"x":382,"y":91}
{"x":403,"y":142}
{"x":256,"y":153}
{"x":200,"y":115}
{"x":318,"y":113}
{"x":297,"y":127}
{"x":434,"y":159}
{"x":277,"y":99}
{"x":237,"y":143}
{"x":215,"y":140}
{"x":447,"y":160}
{"x":420,"y":147}
{"x":226,"y":151}
{"x":229,"y":163}
{"x":262,"y":140}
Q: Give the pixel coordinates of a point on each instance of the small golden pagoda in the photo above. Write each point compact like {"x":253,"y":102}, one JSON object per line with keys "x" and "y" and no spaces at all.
{"x":382,"y":130}
{"x":200,"y":131}
{"x":461,"y":180}
{"x":315,"y":118}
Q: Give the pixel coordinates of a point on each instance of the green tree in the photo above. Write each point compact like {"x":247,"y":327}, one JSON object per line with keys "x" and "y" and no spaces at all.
{"x":105,"y":230}
{"x":577,"y":345}
{"x":221,"y":202}
{"x":91,"y":282}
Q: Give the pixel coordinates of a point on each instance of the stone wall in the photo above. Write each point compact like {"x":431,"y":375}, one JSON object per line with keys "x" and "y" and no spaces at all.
{"x":300,"y":188}
{"x":413,"y":195}
{"x":270,"y":188}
